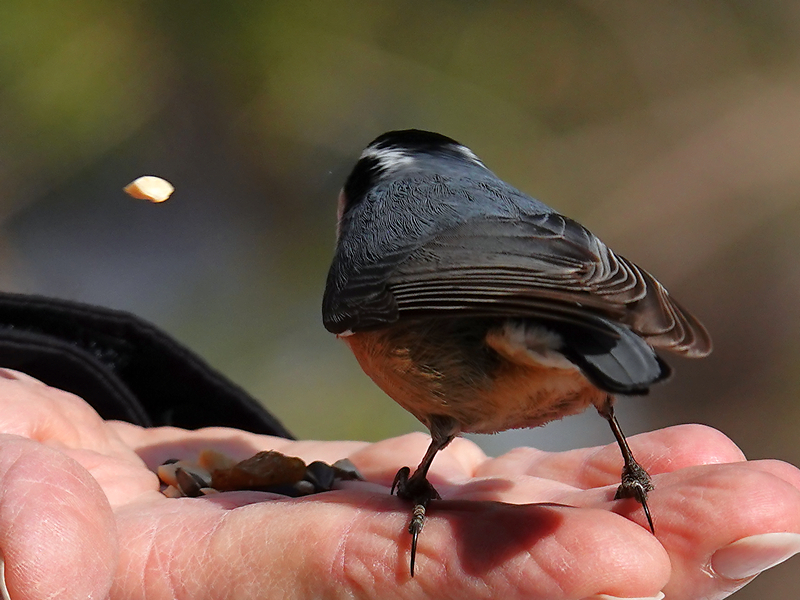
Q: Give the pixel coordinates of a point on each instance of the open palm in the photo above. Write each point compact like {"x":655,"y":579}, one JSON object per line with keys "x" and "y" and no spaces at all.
{"x":81,"y":516}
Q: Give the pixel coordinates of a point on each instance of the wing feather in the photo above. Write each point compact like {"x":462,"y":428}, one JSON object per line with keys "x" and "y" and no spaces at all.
{"x":545,"y":266}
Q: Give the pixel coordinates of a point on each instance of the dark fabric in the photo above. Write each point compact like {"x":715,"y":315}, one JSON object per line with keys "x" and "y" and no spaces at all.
{"x":125,"y":367}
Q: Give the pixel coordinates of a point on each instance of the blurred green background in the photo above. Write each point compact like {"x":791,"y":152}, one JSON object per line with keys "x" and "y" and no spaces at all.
{"x":672,"y":130}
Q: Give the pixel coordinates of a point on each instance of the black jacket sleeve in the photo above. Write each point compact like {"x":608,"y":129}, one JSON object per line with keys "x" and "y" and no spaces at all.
{"x":125,"y":367}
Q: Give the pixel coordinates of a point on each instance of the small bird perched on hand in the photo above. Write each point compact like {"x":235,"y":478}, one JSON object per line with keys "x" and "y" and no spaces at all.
{"x":479,"y":309}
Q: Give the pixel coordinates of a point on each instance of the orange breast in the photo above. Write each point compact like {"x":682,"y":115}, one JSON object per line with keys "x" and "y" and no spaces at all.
{"x":432,"y":373}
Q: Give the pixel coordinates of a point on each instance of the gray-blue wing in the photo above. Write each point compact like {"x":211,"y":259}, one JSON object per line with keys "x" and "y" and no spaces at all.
{"x":541,"y":266}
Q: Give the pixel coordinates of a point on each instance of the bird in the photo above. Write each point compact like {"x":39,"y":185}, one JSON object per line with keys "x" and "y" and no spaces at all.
{"x":479,"y":309}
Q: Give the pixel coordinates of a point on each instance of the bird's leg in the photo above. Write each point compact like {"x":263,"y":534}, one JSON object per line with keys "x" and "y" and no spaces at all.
{"x":417,"y":488}
{"x":636,"y":482}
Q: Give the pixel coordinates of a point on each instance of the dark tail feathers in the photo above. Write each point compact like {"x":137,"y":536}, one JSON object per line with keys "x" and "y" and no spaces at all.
{"x":612,"y":357}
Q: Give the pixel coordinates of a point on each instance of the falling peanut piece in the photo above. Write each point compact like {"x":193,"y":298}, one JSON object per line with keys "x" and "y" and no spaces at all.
{"x":149,"y":188}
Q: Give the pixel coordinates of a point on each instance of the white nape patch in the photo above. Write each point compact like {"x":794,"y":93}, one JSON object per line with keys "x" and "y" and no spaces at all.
{"x":470,"y":155}
{"x":345,"y":333}
{"x":389,"y":159}
{"x":525,"y":343}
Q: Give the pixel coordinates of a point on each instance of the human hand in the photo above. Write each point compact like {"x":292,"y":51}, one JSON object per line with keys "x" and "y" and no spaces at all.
{"x":81,"y":516}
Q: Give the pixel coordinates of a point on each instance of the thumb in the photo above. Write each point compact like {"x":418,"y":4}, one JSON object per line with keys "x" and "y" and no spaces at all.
{"x":57,"y":532}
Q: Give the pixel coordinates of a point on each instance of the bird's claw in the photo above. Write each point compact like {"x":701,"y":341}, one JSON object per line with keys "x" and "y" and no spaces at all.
{"x":400,"y":481}
{"x":414,"y":528}
{"x":418,"y":490}
{"x":636,"y":483}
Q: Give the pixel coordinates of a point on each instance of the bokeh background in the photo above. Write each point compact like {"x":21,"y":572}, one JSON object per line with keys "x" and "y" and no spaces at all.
{"x":672,"y":130}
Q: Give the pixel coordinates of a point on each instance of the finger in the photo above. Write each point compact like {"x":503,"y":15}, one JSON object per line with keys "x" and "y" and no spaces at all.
{"x":122,"y":481}
{"x":39,"y":412}
{"x":57,"y":532}
{"x":721,"y":524}
{"x":662,"y":451}
{"x":380,"y":461}
{"x":783,"y":470}
{"x":158,"y":444}
{"x":525,"y":553}
{"x":703,"y":512}
{"x":345,"y":544}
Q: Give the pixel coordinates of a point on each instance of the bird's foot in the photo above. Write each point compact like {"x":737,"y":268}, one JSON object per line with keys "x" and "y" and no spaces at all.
{"x":636,"y":484}
{"x":418,"y":490}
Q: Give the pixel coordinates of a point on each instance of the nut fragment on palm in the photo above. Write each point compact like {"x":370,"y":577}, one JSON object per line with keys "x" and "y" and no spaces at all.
{"x":149,"y":187}
{"x":260,"y":472}
{"x":266,"y":471}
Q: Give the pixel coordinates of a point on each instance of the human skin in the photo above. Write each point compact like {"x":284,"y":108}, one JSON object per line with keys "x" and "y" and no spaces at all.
{"x":81,"y":516}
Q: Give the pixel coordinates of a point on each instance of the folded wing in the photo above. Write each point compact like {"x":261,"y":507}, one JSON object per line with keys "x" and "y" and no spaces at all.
{"x":541,"y":266}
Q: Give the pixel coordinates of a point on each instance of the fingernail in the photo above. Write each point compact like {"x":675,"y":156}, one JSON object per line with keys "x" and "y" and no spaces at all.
{"x":3,"y":589}
{"x":752,"y":555}
{"x":660,"y":596}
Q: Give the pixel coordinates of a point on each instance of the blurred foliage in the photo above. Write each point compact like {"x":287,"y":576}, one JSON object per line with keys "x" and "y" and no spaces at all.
{"x":670,"y":129}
